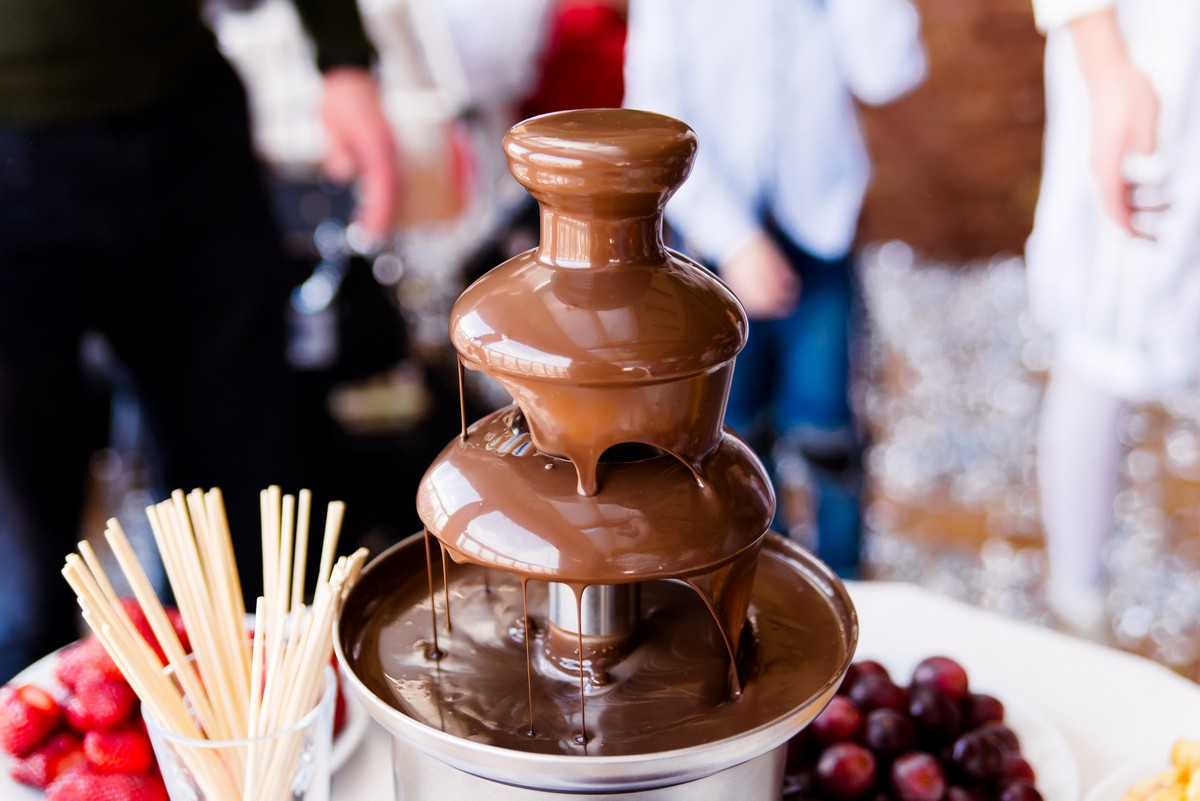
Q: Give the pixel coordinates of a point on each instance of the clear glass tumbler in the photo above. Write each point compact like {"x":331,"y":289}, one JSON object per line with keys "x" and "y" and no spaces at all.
{"x":292,"y":764}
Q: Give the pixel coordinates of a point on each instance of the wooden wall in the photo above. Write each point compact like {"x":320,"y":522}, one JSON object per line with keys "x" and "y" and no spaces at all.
{"x":957,"y":162}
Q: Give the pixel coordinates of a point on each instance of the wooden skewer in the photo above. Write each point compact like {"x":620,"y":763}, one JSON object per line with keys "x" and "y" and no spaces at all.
{"x":270,"y":545}
{"x":228,"y":616}
{"x":215,"y":655}
{"x":287,"y":540}
{"x":233,"y":691}
{"x":186,"y":582}
{"x":143,"y":672}
{"x":95,"y":575}
{"x":307,"y":688}
{"x":301,"y":553}
{"x":333,"y":529}
{"x":156,"y":616}
{"x":91,"y":597}
{"x":256,"y":686}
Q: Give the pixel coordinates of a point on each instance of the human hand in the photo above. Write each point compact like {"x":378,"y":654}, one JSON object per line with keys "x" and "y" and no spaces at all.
{"x":761,"y":277}
{"x":1124,"y":112}
{"x":1124,"y":122}
{"x":360,"y":144}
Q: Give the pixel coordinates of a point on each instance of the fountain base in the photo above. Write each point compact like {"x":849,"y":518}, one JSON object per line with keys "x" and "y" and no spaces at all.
{"x":803,"y":630}
{"x":420,"y":776}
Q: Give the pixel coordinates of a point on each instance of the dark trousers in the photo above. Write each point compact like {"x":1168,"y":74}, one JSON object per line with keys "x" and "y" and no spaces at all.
{"x":154,"y":229}
{"x":791,"y":398}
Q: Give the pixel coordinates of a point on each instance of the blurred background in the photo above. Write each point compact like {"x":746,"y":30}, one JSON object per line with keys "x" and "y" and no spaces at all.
{"x":948,"y":377}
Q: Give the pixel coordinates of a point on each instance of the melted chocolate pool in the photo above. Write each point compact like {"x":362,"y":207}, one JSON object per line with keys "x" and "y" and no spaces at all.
{"x":671,"y":692}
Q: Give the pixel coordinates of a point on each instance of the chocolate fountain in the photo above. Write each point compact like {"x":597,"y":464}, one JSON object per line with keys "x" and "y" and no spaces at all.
{"x":596,"y":609}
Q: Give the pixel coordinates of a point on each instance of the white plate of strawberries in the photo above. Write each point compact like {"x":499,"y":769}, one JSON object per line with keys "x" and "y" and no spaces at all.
{"x":71,"y":729}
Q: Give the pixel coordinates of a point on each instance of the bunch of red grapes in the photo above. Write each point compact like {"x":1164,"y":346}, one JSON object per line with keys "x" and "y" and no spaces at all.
{"x":934,"y":740}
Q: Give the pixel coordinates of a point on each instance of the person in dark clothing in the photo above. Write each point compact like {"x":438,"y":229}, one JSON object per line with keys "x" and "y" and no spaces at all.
{"x":131,"y":203}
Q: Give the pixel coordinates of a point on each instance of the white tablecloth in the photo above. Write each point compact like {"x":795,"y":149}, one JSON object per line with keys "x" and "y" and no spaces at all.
{"x":1112,"y":708}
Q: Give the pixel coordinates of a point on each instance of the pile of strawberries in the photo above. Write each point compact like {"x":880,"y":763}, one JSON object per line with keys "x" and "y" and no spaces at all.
{"x":89,"y":743}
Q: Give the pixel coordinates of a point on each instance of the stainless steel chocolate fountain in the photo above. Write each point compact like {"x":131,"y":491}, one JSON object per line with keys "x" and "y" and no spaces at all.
{"x":596,"y":609}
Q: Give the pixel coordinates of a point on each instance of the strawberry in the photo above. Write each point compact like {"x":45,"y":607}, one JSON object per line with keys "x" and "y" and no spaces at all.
{"x":147,"y":788}
{"x":339,"y":700}
{"x":180,"y":630}
{"x":85,"y":661}
{"x":142,"y":624}
{"x":61,"y":753}
{"x":86,"y":785}
{"x":339,"y":711}
{"x":28,"y":715}
{"x":121,"y":750}
{"x":100,"y":705}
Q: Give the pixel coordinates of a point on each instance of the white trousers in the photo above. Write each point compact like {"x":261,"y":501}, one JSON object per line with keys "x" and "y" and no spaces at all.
{"x":1078,"y":460}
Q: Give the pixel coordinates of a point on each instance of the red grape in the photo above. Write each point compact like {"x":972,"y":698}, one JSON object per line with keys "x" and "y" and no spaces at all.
{"x":846,"y":770}
{"x":1002,"y":732}
{"x":956,"y":792}
{"x":943,"y":674}
{"x":918,"y":776}
{"x":980,"y":708}
{"x":936,"y":716}
{"x":863,"y":667}
{"x":978,"y":757}
{"x":839,"y":721}
{"x":1017,"y":767}
{"x":1020,"y":790}
{"x":878,"y":692}
{"x":888,"y":732}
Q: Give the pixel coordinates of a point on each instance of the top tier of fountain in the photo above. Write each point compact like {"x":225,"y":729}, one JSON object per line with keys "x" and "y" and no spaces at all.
{"x":601,"y":302}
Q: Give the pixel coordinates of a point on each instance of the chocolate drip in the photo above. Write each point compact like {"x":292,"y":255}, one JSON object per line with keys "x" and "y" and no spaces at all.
{"x":487,"y":589}
{"x":583,"y":731}
{"x":446,"y":588}
{"x":434,"y":653}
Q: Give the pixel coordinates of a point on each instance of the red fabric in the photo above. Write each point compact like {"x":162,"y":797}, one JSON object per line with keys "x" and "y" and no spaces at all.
{"x":582,"y":66}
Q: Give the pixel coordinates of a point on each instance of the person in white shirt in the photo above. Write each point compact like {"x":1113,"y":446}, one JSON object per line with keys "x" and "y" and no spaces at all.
{"x":774,"y":198}
{"x":1113,"y":260}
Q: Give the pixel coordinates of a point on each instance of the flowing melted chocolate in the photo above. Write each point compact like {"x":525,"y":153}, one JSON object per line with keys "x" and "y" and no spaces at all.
{"x":671,"y":691}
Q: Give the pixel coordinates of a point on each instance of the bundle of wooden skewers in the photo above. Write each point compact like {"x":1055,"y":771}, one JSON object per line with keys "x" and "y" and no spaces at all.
{"x":232,"y":687}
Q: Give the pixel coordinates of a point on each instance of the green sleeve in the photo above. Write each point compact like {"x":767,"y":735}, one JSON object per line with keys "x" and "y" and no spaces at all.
{"x":337,"y":31}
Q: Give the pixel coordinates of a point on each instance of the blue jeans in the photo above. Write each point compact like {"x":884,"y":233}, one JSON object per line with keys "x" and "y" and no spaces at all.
{"x":791,"y":390}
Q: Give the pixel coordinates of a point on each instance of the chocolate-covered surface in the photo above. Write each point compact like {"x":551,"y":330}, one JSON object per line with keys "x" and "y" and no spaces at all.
{"x":613,"y":471}
{"x":671,"y":692}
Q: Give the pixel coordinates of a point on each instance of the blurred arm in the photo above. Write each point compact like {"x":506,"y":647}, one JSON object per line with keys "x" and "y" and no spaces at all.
{"x":1051,"y":14}
{"x":360,"y":140}
{"x":1124,"y":108}
{"x":762,"y":278}
{"x":879,"y":47}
